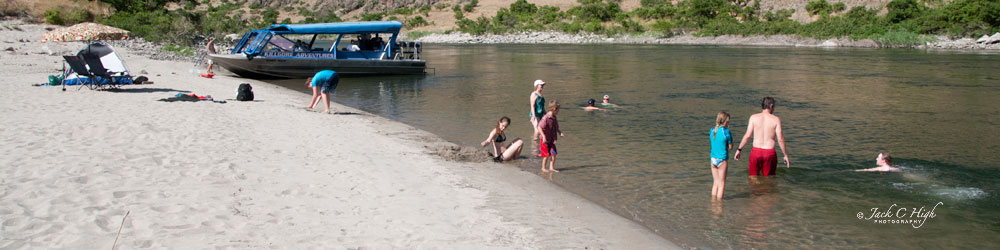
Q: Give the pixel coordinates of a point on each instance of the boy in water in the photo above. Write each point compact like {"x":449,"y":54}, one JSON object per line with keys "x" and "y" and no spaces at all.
{"x":722,"y":142}
{"x":590,"y":105}
{"x":549,"y":127}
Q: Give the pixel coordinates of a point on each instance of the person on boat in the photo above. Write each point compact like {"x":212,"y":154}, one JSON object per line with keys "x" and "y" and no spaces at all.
{"x":323,"y":83}
{"x":497,"y":138}
{"x":537,"y":103}
{"x":210,"y":50}
{"x":377,"y":42}
{"x":364,"y":41}
{"x":591,"y":105}
{"x":354,"y":46}
{"x":883,"y":163}
{"x":764,"y":127}
{"x":301,"y":46}
{"x":607,"y":102}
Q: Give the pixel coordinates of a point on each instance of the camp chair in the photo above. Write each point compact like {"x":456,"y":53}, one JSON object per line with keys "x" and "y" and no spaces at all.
{"x":79,"y":67}
{"x":97,"y":69}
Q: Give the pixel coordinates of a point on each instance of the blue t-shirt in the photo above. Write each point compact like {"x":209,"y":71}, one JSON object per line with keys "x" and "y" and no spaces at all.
{"x":720,"y":143}
{"x":324,"y":78}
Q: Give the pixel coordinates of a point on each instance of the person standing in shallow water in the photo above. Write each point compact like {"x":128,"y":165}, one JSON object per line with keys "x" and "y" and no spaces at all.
{"x":549,"y":128}
{"x":764,"y":127}
{"x":721,"y":141}
{"x":537,"y":103}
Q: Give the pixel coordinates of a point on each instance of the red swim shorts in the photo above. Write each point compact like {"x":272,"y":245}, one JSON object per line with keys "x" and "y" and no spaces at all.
{"x":547,"y":149}
{"x":763,"y":160}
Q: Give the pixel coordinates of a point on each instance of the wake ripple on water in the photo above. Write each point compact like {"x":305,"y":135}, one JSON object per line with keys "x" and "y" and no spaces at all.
{"x":955,"y":193}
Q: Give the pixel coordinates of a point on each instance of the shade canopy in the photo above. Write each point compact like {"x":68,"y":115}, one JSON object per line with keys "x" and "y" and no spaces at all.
{"x":85,"y":32}
{"x":337,"y":28}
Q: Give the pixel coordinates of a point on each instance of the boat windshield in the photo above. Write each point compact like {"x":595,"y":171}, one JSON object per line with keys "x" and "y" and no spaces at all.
{"x":246,"y":41}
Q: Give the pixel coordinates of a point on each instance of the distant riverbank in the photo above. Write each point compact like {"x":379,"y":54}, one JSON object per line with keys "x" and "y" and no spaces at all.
{"x":728,"y":40}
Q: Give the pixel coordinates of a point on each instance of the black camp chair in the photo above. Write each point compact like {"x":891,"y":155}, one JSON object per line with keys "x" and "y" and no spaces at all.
{"x":98,"y":71}
{"x":77,"y":64}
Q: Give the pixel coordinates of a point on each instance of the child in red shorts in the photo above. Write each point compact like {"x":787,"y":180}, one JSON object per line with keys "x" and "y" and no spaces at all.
{"x":549,"y":127}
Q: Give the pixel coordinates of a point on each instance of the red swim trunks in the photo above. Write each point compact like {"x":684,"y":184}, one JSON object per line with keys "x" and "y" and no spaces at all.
{"x":547,"y":149}
{"x":763,"y":160}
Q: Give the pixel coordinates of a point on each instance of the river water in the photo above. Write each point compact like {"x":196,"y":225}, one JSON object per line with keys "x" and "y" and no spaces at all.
{"x":936,"y":112}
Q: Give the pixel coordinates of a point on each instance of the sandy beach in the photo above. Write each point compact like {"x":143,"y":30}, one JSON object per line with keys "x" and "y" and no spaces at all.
{"x":266,"y":174}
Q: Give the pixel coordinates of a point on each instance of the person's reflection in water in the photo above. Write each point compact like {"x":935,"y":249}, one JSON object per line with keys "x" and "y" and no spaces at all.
{"x":759,"y":221}
{"x":716,"y":207}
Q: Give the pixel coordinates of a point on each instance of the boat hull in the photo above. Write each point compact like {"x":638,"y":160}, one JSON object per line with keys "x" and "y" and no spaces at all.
{"x":263,"y":67}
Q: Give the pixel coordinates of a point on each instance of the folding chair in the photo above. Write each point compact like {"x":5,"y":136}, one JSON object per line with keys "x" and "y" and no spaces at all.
{"x":79,"y":67}
{"x":97,"y":69}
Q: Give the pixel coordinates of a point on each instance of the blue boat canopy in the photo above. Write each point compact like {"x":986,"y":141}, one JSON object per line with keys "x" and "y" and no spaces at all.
{"x":337,"y":28}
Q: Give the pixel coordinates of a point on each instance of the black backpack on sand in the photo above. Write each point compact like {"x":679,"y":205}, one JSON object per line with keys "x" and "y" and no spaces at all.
{"x":244,"y":93}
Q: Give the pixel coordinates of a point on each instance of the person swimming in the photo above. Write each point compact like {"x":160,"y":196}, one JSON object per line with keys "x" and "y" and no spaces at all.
{"x":607,"y":102}
{"x":590,"y":105}
{"x":883,"y":163}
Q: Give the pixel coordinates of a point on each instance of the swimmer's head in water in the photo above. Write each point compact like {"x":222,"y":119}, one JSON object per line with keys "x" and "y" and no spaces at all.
{"x":591,"y":102}
{"x":722,"y":119}
{"x":767,"y":103}
{"x":883,"y":157}
{"x":607,"y":98}
{"x":502,"y":123}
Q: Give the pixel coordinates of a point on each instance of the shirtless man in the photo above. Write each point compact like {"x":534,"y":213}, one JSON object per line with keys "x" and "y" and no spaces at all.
{"x":764,"y":127}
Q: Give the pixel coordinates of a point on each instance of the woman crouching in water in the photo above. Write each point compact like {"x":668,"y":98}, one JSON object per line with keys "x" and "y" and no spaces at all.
{"x":502,"y":152}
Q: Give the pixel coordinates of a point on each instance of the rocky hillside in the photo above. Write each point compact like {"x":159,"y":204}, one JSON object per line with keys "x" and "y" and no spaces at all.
{"x":440,"y":17}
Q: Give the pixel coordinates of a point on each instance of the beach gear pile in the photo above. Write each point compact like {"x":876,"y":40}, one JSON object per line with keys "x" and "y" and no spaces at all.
{"x":181,"y":97}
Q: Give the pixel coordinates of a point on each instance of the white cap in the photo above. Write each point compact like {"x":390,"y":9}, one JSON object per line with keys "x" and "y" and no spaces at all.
{"x":539,"y":82}
{"x":607,"y":97}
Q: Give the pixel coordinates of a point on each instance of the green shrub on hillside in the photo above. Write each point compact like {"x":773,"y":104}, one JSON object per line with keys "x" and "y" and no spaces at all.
{"x":53,"y":17}
{"x":469,"y":7}
{"x":402,"y":11}
{"x":416,"y":21}
{"x":823,"y":8}
{"x":153,"y":25}
{"x":70,"y":17}
{"x":595,"y":10}
{"x":179,"y":50}
{"x":373,"y":16}
{"x":901,"y":10}
{"x":269,"y":17}
{"x":137,"y":5}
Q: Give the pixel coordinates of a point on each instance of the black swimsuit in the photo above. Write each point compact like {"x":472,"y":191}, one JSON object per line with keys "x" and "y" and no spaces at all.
{"x":500,"y":138}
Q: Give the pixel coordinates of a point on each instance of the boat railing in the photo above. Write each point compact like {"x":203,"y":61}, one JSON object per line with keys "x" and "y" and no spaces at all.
{"x":407,"y":50}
